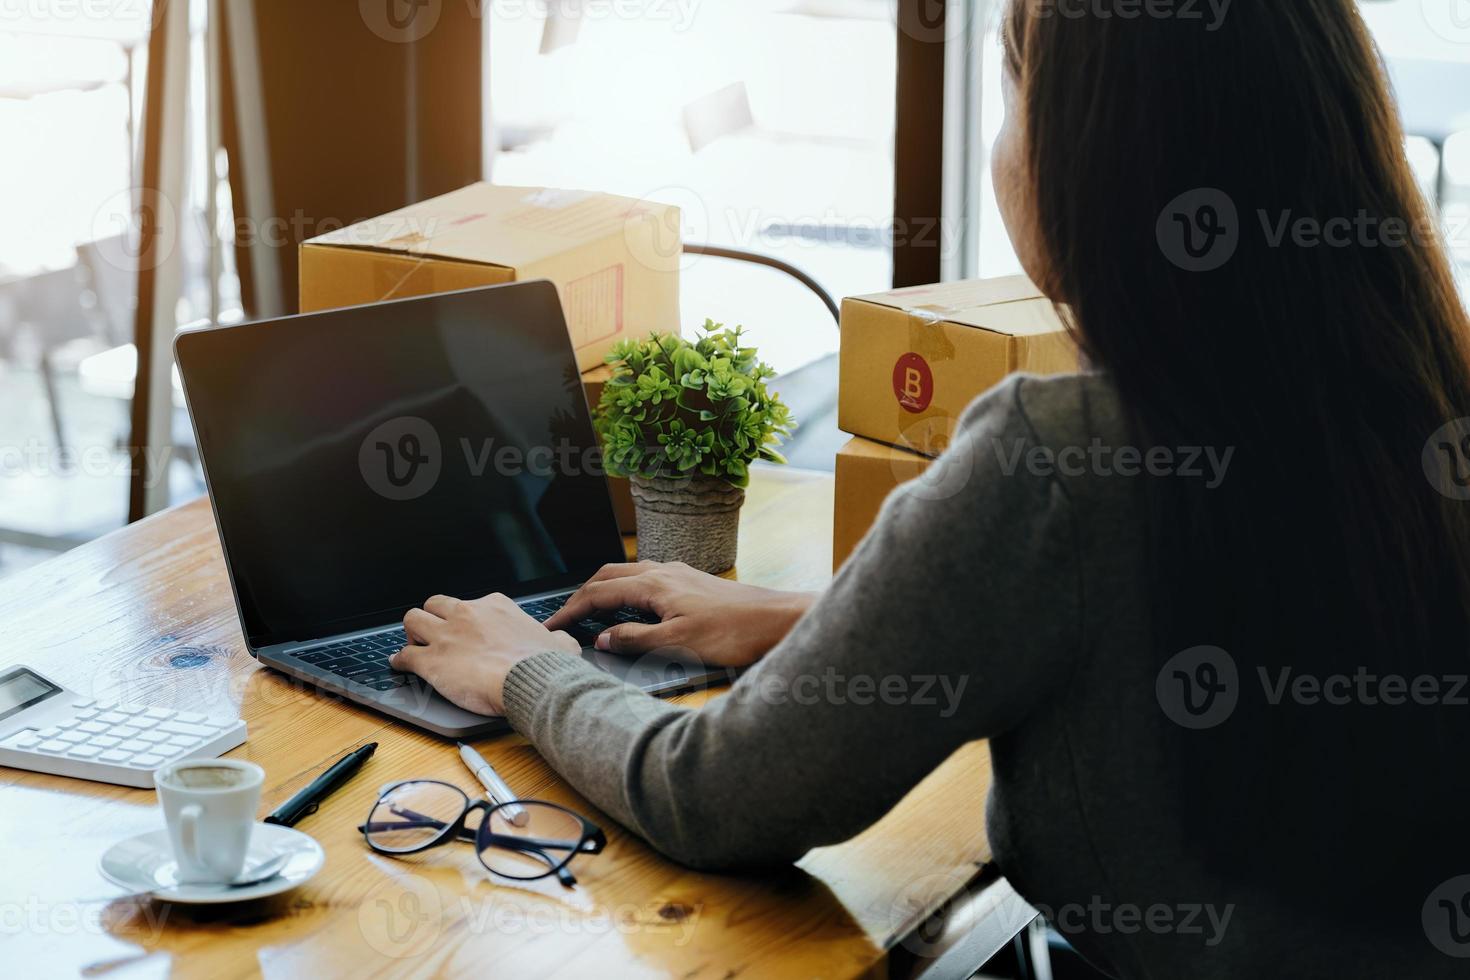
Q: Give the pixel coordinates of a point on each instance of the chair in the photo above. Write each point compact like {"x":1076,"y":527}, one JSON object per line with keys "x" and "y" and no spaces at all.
{"x":48,"y":306}
{"x":111,"y":280}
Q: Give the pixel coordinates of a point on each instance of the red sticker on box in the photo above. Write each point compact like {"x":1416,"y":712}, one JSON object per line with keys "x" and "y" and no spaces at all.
{"x":913,"y":383}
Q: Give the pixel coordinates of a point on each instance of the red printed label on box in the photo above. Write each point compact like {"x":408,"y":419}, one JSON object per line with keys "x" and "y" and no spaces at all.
{"x":913,"y":383}
{"x":594,"y":306}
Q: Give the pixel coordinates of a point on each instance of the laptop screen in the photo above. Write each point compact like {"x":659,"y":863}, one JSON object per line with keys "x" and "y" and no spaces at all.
{"x":362,"y":460}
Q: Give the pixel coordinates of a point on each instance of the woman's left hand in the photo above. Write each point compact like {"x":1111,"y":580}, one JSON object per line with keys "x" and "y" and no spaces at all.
{"x":465,"y":649}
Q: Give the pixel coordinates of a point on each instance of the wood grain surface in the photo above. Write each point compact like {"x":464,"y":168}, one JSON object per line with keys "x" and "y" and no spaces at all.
{"x":146,"y":615}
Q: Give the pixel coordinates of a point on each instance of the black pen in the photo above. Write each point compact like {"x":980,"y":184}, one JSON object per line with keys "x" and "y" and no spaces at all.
{"x":309,"y":799}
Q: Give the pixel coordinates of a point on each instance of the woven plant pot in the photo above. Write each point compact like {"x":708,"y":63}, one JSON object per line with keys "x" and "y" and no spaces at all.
{"x":696,"y":521}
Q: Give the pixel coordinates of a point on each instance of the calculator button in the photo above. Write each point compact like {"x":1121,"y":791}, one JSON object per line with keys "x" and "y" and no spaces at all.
{"x":114,"y":755}
{"x":53,"y":747}
{"x":106,"y":705}
{"x":158,"y":714}
{"x":151,"y":737}
{"x":92,"y":728}
{"x":83,"y":751}
{"x":133,"y":745}
{"x":86,"y":713}
{"x":183,"y":741}
{"x":148,"y":761}
{"x":125,"y":731}
{"x":180,"y":728}
{"x":83,"y":703}
{"x":24,"y":739}
{"x":192,"y":717}
{"x":68,"y":724}
{"x":112,"y":718}
{"x":51,"y":732}
{"x":106,"y":741}
{"x":72,"y":738}
{"x":130,"y":709}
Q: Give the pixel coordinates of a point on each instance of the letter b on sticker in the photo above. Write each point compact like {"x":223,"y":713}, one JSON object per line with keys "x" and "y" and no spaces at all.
{"x":913,"y":383}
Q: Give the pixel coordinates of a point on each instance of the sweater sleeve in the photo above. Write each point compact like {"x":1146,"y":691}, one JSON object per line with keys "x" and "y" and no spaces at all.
{"x":956,"y":616}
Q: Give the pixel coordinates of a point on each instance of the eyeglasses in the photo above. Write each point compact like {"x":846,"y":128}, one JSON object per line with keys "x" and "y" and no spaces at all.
{"x":524,"y":840}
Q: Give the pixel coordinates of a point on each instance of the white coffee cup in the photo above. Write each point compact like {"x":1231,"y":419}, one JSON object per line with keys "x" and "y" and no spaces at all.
{"x":209,"y":806}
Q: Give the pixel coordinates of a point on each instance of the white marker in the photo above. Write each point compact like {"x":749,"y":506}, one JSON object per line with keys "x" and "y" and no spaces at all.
{"x":495,"y":789}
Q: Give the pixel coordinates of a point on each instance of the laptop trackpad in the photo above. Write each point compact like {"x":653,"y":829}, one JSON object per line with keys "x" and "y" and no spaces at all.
{"x":650,"y":672}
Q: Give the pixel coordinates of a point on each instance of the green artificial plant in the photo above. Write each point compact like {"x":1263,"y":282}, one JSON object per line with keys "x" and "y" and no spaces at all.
{"x":676,"y":409}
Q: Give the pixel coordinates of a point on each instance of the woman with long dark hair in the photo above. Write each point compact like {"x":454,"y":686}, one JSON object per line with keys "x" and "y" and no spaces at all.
{"x":1237,"y":688}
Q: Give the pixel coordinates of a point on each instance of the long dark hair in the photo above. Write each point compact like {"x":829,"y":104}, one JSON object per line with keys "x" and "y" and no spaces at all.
{"x":1326,"y":368}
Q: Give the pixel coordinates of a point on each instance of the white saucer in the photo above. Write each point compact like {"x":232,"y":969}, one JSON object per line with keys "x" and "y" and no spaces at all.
{"x":146,"y":864}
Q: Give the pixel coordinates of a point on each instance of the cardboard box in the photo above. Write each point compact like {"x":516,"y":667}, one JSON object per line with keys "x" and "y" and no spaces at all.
{"x":913,"y":359}
{"x":614,"y":260}
{"x":867,"y":472}
{"x":622,"y":493}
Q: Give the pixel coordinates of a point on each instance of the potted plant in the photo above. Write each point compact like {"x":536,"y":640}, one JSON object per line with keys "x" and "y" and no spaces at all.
{"x":683,"y":421}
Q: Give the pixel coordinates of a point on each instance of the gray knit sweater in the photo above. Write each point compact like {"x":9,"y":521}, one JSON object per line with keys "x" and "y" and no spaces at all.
{"x":1002,"y":597}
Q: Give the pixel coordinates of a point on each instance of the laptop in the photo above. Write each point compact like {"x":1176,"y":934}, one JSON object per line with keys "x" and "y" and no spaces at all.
{"x":362,"y":460}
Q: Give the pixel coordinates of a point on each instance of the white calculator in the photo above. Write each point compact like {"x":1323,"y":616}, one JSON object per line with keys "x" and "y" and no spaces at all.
{"x":46,"y":728}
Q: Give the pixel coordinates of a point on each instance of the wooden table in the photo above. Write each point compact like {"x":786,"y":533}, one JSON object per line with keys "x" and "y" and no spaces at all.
{"x":145,"y":614}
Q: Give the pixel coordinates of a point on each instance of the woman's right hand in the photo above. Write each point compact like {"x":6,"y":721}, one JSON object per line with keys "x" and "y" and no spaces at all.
{"x":723,"y":623}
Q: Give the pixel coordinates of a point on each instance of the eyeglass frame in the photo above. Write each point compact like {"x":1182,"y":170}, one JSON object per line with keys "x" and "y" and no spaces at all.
{"x":592,"y":841}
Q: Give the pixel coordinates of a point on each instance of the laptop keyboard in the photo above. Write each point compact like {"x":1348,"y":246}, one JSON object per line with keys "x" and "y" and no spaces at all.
{"x":365,"y":660}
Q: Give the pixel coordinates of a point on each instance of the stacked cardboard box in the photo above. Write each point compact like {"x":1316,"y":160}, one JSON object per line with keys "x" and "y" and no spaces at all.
{"x":912,"y":360}
{"x":614,"y":260}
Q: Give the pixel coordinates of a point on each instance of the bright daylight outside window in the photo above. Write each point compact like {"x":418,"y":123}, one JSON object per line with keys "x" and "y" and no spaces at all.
{"x":770,"y":123}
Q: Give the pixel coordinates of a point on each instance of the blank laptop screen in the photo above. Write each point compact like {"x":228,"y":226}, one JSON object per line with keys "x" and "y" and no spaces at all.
{"x":362,"y":460}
